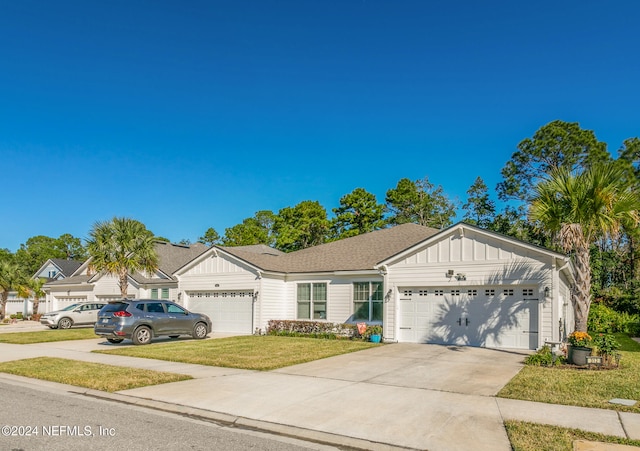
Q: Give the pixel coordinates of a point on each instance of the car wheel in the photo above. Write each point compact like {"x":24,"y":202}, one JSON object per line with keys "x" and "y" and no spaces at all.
{"x":200,"y":331}
{"x":141,"y":336}
{"x":65,"y":323}
{"x":115,"y":340}
{"x":174,"y":336}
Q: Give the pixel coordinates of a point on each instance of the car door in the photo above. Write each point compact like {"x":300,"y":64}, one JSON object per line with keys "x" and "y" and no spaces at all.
{"x":85,"y":314}
{"x":180,"y":321}
{"x":156,"y":316}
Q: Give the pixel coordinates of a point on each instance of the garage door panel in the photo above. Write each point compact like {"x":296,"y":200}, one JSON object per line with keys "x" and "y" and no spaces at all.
{"x":474,"y":317}
{"x":230,"y":311}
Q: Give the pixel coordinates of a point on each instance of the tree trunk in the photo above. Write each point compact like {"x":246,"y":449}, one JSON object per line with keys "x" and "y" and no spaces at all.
{"x":123,"y":284}
{"x":3,"y":303}
{"x":582,"y":290}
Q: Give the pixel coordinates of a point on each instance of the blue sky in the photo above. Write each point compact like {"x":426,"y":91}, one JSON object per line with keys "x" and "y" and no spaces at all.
{"x":196,"y":114}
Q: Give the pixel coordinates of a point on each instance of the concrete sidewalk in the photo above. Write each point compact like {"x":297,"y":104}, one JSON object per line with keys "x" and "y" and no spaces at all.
{"x":379,"y":411}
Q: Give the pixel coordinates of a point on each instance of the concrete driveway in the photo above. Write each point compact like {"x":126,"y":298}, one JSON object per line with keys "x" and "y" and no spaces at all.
{"x":455,"y":369}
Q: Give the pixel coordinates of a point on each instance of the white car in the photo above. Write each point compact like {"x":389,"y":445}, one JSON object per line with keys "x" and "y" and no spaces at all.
{"x":81,"y":314}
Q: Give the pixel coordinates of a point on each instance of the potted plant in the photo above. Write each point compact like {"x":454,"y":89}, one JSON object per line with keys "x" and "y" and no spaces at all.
{"x":578,"y":349}
{"x":374,"y":333}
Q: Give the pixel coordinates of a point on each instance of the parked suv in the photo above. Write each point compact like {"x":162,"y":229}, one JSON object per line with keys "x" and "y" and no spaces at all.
{"x":80,"y":314}
{"x":143,"y":319}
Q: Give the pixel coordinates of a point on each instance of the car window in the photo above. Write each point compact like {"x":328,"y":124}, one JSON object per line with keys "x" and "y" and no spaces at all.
{"x":71,"y":307}
{"x":155,"y":307}
{"x":86,"y":307}
{"x":140,"y":306}
{"x":115,"y":307}
{"x":172,"y":308}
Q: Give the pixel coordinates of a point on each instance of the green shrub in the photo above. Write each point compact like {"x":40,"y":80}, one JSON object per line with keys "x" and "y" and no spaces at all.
{"x":603,"y":319}
{"x":544,"y":357}
{"x":313,"y":329}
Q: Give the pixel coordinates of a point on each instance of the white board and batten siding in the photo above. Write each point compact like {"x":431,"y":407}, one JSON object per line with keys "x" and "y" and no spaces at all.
{"x":224,"y":289}
{"x":470,"y":288}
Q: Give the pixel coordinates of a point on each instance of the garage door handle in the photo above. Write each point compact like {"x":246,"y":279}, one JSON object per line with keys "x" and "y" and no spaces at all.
{"x":405,"y":328}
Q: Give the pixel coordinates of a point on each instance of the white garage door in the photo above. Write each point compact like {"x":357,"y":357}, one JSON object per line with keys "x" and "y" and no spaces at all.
{"x":230,"y":311}
{"x":494,"y":317}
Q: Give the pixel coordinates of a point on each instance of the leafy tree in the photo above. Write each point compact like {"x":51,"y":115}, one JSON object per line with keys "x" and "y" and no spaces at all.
{"x":479,"y":209}
{"x":629,"y":157}
{"x":255,"y":230}
{"x":302,"y":226}
{"x":578,"y":209}
{"x":210,"y":237}
{"x":419,"y":202}
{"x":121,"y":247}
{"x":557,"y":144}
{"x":359,"y":212}
{"x":38,"y":249}
{"x":10,"y":279}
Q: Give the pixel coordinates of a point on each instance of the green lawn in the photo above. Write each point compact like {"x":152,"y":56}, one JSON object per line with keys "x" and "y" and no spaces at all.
{"x":538,"y":437}
{"x":89,"y":375}
{"x":246,"y":352}
{"x":581,"y":387}
{"x":43,"y":336}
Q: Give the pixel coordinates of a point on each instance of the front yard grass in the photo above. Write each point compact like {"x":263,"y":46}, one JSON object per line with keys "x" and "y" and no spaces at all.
{"x":539,"y":437}
{"x":252,"y":352}
{"x":582,"y":387}
{"x":96,"y":376}
{"x":44,"y":336}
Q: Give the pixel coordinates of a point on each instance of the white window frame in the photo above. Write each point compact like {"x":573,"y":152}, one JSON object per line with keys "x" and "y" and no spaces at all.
{"x":313,"y":302}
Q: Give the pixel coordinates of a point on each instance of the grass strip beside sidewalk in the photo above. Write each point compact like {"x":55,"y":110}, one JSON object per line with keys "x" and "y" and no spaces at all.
{"x":582,"y":387}
{"x":46,"y":336}
{"x":97,"y":376}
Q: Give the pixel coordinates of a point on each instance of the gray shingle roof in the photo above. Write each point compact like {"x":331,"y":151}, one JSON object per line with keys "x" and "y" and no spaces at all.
{"x":172,"y":257}
{"x":360,"y":252}
{"x":73,"y":280}
{"x":67,"y":267}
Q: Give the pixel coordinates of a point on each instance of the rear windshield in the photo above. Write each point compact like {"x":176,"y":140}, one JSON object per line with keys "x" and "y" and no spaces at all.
{"x":115,"y":307}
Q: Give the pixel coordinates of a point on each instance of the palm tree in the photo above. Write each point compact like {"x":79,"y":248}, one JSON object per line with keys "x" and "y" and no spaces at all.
{"x":121,"y":247}
{"x":35,"y":286}
{"x":10,"y":278}
{"x":580,"y":208}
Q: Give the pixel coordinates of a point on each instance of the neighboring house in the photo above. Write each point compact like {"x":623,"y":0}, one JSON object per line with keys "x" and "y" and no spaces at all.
{"x":459,"y":286}
{"x":52,"y":269}
{"x":84,"y":286}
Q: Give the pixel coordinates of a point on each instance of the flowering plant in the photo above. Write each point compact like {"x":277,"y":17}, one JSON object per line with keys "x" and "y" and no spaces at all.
{"x":579,"y":339}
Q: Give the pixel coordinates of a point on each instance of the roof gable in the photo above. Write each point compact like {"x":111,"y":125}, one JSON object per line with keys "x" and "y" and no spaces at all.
{"x":487,"y":245}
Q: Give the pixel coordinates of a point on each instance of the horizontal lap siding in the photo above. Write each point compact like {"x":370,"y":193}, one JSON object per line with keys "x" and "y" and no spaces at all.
{"x":484,"y":260}
{"x":273,"y":302}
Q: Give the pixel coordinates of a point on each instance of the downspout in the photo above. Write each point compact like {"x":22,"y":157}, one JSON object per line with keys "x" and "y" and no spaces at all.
{"x":384,"y":272}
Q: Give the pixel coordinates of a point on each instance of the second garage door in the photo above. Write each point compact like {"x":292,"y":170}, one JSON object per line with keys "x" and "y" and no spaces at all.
{"x":230,"y":311}
{"x":494,"y":317}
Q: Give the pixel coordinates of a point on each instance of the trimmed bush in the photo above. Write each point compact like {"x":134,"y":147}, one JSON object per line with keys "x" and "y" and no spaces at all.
{"x":313,"y":329}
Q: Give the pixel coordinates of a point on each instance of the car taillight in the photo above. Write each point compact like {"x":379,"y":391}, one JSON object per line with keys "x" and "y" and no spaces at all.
{"x":122,"y":314}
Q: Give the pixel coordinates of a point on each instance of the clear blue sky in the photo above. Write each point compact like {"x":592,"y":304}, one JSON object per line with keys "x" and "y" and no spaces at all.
{"x":187,"y":115}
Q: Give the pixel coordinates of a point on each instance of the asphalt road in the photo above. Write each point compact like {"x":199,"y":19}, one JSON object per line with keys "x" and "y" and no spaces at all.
{"x":34,"y":419}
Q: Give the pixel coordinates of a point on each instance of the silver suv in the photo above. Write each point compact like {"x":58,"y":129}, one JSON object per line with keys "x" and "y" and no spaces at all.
{"x":80,"y":314}
{"x":143,"y":319}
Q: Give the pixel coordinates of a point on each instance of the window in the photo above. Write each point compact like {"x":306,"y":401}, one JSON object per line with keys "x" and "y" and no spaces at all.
{"x":472,"y":292}
{"x":527,"y":292}
{"x":508,"y":292}
{"x":439,"y":292}
{"x":154,"y":293}
{"x":489,"y":292}
{"x":155,"y":307}
{"x":367,"y":301}
{"x":312,"y":297}
{"x":455,"y":292}
{"x":165,"y":293}
{"x":171,"y":308}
